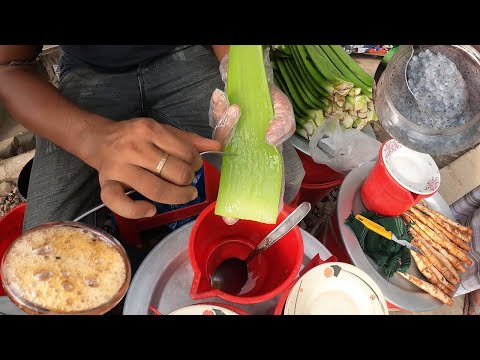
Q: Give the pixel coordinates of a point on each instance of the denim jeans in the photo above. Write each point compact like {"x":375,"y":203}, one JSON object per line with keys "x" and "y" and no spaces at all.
{"x":174,"y":89}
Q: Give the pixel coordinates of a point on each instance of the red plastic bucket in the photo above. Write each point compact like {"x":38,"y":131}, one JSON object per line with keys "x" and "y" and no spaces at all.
{"x":382,"y":194}
{"x":212,"y":241}
{"x":11,"y":225}
{"x":319,"y":180}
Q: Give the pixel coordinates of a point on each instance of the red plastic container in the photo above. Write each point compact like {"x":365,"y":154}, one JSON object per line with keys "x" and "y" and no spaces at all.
{"x":212,"y":241}
{"x":319,"y":180}
{"x":382,"y":194}
{"x":11,"y":225}
{"x":130,"y":229}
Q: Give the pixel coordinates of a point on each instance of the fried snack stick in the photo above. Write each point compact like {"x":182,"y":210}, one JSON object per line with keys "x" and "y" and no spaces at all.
{"x":442,"y":258}
{"x":435,"y":261}
{"x":457,"y":264}
{"x":416,"y":230}
{"x":423,"y":268}
{"x":452,"y":237}
{"x":438,"y":229}
{"x":429,"y":288}
{"x":438,"y":274}
{"x":449,"y":224}
{"x":449,"y":246}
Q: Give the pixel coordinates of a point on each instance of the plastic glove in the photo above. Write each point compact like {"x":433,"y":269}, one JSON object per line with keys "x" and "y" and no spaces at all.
{"x":223,"y":117}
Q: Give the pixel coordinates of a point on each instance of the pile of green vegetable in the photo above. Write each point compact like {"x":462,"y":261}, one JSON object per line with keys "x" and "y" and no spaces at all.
{"x":389,"y":255}
{"x":320,"y":81}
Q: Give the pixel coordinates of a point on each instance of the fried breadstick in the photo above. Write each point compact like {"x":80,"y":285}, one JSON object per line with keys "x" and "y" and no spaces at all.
{"x":438,"y":229}
{"x":429,"y":288}
{"x":452,"y":223}
{"x":435,"y":261}
{"x":449,"y":246}
{"x":457,"y":264}
{"x":442,"y":258}
{"x":438,"y":274}
{"x":423,"y":268}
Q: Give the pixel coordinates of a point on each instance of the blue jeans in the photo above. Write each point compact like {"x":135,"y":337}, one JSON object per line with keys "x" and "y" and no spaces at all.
{"x":174,"y":89}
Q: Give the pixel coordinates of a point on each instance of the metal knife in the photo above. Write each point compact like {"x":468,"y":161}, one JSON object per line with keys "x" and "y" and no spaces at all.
{"x":380,"y":230}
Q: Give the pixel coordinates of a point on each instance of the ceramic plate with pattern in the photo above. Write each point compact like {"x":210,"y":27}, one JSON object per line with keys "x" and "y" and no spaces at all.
{"x":415,"y":171}
{"x":201,"y":309}
{"x":335,"y":288}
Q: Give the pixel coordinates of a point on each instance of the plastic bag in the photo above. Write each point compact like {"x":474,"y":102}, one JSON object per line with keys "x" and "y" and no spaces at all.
{"x":293,"y":172}
{"x":342,"y":149}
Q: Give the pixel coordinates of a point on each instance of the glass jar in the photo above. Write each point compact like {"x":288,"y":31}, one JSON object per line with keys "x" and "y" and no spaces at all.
{"x":65,"y":268}
{"x":391,"y":95}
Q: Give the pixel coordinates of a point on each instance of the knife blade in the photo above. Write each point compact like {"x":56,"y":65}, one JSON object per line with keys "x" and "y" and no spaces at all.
{"x":380,"y":230}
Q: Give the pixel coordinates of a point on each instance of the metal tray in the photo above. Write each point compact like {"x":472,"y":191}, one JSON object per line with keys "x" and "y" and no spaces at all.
{"x":7,"y":307}
{"x":164,"y":278}
{"x":396,"y":290}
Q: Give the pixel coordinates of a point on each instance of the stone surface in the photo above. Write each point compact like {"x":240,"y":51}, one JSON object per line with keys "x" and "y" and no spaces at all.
{"x":5,"y":188}
{"x":10,"y":168}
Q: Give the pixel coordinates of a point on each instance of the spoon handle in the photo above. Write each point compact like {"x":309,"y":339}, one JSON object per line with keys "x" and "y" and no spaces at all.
{"x":282,"y":229}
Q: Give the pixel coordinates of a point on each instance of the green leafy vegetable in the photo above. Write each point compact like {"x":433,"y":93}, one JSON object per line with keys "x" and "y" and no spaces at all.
{"x":389,"y":255}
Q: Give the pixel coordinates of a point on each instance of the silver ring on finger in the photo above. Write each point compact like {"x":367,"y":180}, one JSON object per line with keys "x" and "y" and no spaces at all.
{"x":161,"y":163}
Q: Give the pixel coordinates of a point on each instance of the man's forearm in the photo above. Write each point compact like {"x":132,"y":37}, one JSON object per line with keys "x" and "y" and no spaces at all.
{"x":220,"y":51}
{"x":37,"y":105}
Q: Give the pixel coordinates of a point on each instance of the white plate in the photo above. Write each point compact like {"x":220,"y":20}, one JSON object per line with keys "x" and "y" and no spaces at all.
{"x":200,"y":309}
{"x":415,"y":171}
{"x":336,"y":289}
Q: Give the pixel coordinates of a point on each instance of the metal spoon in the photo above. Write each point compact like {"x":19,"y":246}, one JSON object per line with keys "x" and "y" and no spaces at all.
{"x":232,"y":274}
{"x":211,"y":155}
{"x":415,"y":50}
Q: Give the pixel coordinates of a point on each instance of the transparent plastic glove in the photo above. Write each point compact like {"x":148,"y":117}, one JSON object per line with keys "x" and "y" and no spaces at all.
{"x":223,"y":117}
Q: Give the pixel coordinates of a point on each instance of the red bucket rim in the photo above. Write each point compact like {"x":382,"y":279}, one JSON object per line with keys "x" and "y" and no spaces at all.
{"x":232,"y":298}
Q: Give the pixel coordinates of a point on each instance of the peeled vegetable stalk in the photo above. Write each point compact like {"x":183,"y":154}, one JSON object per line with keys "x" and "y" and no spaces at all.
{"x":251,"y":180}
{"x":323,"y":78}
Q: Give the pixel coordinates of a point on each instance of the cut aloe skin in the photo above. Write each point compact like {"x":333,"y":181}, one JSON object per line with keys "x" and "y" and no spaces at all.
{"x":250,"y":181}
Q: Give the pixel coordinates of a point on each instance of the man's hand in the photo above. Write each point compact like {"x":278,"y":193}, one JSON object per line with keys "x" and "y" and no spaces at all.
{"x":129,"y":156}
{"x":223,"y":117}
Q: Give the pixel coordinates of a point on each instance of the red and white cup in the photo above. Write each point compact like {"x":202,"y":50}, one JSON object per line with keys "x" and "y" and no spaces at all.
{"x":400,"y":179}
